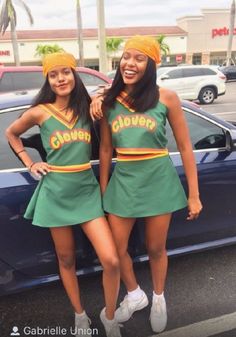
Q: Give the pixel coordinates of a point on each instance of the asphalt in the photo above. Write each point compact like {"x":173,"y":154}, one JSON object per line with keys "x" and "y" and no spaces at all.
{"x":199,"y":287}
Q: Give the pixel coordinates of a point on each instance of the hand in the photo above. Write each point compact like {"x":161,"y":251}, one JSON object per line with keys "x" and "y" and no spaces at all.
{"x":96,"y":107}
{"x":39,"y":169}
{"x":194,"y":207}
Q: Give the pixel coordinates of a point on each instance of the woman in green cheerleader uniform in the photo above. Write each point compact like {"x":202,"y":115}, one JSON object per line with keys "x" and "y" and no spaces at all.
{"x":144,"y":182}
{"x":68,"y":192}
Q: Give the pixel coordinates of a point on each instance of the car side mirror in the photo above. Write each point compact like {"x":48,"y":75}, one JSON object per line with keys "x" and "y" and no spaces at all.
{"x":231,"y":140}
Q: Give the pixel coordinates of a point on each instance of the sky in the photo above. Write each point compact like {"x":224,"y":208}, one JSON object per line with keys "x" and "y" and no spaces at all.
{"x":59,"y":14}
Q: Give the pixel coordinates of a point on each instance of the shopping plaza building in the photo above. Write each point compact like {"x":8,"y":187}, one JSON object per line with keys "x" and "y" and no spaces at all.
{"x":201,"y":39}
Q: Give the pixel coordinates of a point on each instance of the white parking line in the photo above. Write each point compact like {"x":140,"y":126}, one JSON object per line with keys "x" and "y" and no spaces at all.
{"x":206,"y":328}
{"x":224,"y":113}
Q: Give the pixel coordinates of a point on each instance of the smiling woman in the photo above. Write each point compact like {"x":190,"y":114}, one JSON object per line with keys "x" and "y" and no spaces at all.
{"x":144,"y":183}
{"x":68,"y":192}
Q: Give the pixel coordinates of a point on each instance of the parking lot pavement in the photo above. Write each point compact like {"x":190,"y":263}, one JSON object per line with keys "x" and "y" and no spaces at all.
{"x":211,"y":327}
{"x":200,"y":287}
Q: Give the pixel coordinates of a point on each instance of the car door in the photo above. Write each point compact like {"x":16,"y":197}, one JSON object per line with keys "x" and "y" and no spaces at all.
{"x":216,"y":164}
{"x":26,"y":248}
{"x":231,"y":72}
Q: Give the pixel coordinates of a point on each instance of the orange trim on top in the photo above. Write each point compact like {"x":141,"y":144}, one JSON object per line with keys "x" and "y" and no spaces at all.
{"x":52,"y":110}
{"x":120,"y":99}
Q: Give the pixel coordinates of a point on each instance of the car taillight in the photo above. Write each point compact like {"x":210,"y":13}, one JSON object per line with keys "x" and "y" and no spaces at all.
{"x":223,"y":77}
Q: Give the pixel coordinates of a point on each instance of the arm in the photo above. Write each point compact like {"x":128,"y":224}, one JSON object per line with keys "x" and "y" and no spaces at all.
{"x":96,"y":103}
{"x":105,"y":153}
{"x":181,"y":133}
{"x":30,"y":118}
{"x":95,"y":109}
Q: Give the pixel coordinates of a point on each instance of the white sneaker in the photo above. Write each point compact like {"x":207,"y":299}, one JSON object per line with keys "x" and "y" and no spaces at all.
{"x":112,"y":328}
{"x":82,"y":325}
{"x":158,"y":316}
{"x":129,"y":306}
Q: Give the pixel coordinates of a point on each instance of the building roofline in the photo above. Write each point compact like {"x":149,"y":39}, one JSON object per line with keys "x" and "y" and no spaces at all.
{"x":93,"y":33}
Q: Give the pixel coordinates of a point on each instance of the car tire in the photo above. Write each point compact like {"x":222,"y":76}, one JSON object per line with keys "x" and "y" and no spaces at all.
{"x":207,"y":95}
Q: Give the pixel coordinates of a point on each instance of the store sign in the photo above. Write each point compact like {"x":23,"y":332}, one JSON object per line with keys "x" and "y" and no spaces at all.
{"x":4,"y":52}
{"x":221,"y":32}
{"x":179,"y":58}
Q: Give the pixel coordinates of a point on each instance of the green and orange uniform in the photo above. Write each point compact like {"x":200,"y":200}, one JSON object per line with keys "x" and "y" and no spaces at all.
{"x":144,"y":181}
{"x":69,"y":194}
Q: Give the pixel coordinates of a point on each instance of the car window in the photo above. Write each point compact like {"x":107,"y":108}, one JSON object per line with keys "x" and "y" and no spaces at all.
{"x":203,"y":134}
{"x":28,"y":80}
{"x":8,"y":158}
{"x":21,"y":80}
{"x":31,"y":139}
{"x":161,"y":70}
{"x":90,"y":79}
{"x":208,"y":71}
{"x":6,"y":82}
{"x":191,"y":72}
{"x":177,"y":73}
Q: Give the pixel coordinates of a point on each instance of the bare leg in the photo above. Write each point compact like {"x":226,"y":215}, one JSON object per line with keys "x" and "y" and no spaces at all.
{"x":156,"y":235}
{"x":65,"y":249}
{"x":99,"y":233}
{"x":121,"y":229}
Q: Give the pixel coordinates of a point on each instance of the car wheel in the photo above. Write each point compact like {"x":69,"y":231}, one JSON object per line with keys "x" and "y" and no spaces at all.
{"x":207,"y":95}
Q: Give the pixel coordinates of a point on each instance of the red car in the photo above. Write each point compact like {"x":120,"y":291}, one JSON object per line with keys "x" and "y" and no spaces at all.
{"x":31,"y":77}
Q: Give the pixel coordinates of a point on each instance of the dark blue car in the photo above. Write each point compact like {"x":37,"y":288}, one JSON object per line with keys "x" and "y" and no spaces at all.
{"x":27,"y":256}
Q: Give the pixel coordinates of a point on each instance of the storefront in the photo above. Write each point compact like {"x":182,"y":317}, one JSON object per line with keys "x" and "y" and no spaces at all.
{"x":201,"y":39}
{"x":208,"y":36}
{"x":28,"y":41}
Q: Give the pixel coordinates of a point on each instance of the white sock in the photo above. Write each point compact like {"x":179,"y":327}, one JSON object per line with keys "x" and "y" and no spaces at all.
{"x":80,"y":315}
{"x":135,"y":294}
{"x":109,"y":321}
{"x":156,"y":296}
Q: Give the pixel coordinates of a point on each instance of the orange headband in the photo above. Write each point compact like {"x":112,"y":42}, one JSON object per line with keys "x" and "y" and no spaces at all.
{"x":58,"y":59}
{"x":147,"y":45}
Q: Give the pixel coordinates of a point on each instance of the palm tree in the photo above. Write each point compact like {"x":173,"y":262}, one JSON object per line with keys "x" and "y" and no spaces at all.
{"x":8,"y":16}
{"x":165,"y":49}
{"x":112,"y":45}
{"x":44,"y":49}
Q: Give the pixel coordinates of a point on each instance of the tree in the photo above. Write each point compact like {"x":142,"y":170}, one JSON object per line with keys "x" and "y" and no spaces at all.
{"x":8,"y":16}
{"x":112,"y":45}
{"x":165,"y":49}
{"x":44,"y":49}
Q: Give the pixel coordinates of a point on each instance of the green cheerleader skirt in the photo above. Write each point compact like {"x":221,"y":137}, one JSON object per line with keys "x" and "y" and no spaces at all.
{"x":144,"y":188}
{"x":62,"y":199}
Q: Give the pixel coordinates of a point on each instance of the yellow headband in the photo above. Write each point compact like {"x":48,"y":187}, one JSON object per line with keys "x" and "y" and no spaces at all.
{"x":58,"y":59}
{"x":147,"y":45}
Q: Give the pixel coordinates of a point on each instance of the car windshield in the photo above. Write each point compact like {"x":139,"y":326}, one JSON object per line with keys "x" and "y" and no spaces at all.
{"x":161,"y":71}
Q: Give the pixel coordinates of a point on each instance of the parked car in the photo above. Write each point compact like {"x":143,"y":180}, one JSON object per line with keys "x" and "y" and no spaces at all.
{"x":111,"y":74}
{"x":192,"y":82}
{"x":27,"y":256}
{"x":229,"y":72}
{"x":31,"y":77}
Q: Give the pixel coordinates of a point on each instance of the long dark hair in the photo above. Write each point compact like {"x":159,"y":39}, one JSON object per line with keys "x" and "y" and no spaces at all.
{"x":79,"y":98}
{"x":145,"y":94}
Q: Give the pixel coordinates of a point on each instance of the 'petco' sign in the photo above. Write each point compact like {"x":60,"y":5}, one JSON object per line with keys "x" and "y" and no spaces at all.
{"x":220,"y":32}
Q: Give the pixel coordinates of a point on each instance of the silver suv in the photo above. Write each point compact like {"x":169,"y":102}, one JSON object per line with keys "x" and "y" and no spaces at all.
{"x":193,"y":82}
